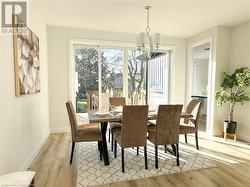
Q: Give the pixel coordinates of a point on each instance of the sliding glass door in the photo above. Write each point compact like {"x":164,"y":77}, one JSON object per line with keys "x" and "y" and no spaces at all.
{"x":103,"y":72}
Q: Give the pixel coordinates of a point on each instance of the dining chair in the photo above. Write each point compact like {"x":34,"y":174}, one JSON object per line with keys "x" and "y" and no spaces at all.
{"x":190,"y":125}
{"x":83,"y":133}
{"x":133,"y":132}
{"x":166,"y":130}
{"x":115,"y":126}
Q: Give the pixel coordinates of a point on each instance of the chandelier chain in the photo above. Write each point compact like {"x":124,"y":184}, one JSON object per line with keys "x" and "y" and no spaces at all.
{"x":147,"y":28}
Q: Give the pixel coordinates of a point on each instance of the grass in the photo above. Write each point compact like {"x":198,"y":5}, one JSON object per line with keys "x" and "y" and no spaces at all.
{"x":81,"y":105}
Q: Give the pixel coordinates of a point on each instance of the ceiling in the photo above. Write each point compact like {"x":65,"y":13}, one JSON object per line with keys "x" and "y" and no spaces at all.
{"x":176,"y":18}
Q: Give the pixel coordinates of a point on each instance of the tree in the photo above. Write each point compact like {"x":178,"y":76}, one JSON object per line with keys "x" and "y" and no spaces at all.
{"x":233,"y":89}
{"x":86,"y":65}
{"x":135,"y":71}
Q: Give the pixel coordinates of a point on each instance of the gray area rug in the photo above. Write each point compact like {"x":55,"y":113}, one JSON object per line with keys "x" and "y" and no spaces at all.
{"x":91,"y":171}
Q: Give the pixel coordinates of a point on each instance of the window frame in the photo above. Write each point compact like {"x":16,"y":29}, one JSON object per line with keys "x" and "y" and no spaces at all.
{"x":99,"y":44}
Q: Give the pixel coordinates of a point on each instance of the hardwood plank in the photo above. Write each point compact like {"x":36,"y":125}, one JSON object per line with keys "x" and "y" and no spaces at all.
{"x":53,"y":168}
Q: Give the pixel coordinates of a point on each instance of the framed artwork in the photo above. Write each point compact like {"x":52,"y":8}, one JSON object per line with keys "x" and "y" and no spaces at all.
{"x":26,"y":59}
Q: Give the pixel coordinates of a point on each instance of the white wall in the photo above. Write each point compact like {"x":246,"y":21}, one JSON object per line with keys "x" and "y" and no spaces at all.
{"x":24,"y":121}
{"x":240,"y":56}
{"x":59,"y":72}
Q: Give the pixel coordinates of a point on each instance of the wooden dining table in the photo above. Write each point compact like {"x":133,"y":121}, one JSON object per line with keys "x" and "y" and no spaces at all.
{"x":104,"y":120}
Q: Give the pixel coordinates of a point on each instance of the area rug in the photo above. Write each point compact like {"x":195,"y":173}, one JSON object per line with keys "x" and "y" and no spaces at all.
{"x":91,"y":171}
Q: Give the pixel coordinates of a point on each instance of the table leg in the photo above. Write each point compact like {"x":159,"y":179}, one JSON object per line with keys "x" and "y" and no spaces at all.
{"x":173,"y":151}
{"x":104,"y":143}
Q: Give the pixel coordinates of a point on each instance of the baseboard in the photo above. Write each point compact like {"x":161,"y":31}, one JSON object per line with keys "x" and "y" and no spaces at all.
{"x":30,"y":158}
{"x":243,"y":137}
{"x":59,"y":129}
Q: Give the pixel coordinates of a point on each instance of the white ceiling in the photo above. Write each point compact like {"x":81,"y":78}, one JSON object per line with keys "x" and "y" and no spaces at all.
{"x":178,"y":18}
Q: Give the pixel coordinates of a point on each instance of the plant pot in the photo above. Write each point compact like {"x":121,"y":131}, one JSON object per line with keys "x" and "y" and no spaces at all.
{"x":230,"y":126}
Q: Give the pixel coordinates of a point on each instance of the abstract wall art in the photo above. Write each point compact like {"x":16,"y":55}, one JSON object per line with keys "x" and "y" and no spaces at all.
{"x":26,"y":59}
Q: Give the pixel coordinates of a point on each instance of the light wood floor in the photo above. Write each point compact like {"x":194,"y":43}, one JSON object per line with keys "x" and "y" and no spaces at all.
{"x":232,"y":160}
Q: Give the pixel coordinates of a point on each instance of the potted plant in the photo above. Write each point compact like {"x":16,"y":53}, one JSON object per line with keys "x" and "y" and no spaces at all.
{"x":233,"y":91}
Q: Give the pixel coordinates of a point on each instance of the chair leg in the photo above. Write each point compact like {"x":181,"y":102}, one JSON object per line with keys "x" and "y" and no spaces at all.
{"x":123,"y":161}
{"x":72,"y":152}
{"x":165,"y":146}
{"x":115,"y":149}
{"x":109,"y":134}
{"x":177,"y":155}
{"x":146,"y":157}
{"x":186,"y":140}
{"x":137,"y":151}
{"x":100,"y":149}
{"x":156,"y":156}
{"x":112,"y":141}
{"x":196,"y":139}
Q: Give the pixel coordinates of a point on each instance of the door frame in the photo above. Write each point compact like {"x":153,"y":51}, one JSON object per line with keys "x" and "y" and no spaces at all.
{"x":211,"y":81}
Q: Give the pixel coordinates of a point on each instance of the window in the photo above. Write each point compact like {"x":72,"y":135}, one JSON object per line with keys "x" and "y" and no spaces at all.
{"x":99,"y":74}
{"x":136,"y":78}
{"x":86,"y":68}
{"x":159,"y":79}
{"x":112,"y":71}
{"x":158,"y":73}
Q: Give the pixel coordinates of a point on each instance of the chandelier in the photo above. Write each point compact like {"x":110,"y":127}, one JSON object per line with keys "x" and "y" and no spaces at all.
{"x":148,"y":43}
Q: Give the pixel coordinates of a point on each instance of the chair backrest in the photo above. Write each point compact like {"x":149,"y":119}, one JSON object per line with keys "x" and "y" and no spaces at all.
{"x":117,"y":101}
{"x":194,"y":107}
{"x":72,"y":118}
{"x":167,"y":124}
{"x":134,"y":126}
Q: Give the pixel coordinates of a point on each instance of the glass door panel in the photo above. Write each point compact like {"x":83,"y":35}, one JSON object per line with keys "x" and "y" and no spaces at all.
{"x":86,"y":78}
{"x":158,"y":79}
{"x":111,"y":75}
{"x":136,"y":78}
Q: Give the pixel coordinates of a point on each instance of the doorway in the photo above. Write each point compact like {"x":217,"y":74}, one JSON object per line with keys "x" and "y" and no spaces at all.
{"x":201,"y":82}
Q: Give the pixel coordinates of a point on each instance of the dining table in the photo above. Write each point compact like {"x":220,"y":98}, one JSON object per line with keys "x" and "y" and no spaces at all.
{"x":117,"y":117}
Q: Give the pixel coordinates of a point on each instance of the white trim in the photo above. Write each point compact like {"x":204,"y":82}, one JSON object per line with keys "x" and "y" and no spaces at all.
{"x":71,"y":67}
{"x":171,"y":77}
{"x":211,"y":80}
{"x":31,"y":157}
{"x":103,"y":43}
{"x":60,"y":129}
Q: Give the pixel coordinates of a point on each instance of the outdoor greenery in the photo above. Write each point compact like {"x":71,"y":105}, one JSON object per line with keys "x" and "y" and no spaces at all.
{"x":81,"y":105}
{"x":86,"y":67}
{"x":233,"y":89}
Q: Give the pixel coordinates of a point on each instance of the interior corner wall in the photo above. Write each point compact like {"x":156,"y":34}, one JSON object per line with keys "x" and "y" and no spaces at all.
{"x":24,"y":120}
{"x":240,"y":57}
{"x":59,"y":72}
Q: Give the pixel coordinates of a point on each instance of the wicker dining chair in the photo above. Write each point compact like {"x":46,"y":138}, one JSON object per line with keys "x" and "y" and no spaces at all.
{"x":133,"y":132}
{"x":190,"y":125}
{"x":115,"y":126}
{"x":166,"y":129}
{"x":83,"y":133}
